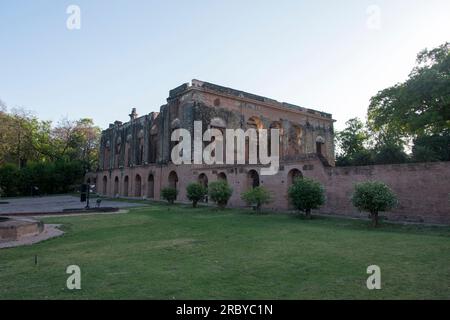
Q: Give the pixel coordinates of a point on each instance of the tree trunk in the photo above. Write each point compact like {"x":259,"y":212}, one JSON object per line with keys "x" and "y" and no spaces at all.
{"x":374,"y":219}
{"x":308,"y":213}
{"x":194,"y":204}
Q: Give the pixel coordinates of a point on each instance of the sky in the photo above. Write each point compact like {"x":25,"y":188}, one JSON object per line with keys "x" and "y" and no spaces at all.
{"x":326,"y":55}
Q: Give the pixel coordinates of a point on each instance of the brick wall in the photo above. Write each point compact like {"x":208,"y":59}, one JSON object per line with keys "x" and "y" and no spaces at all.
{"x":423,"y":190}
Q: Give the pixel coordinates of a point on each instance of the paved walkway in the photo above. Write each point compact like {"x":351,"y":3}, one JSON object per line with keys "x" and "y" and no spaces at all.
{"x":53,"y":204}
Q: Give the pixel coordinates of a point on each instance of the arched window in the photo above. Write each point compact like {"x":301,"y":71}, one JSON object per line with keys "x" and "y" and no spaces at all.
{"x":253,"y":123}
{"x":275,"y":125}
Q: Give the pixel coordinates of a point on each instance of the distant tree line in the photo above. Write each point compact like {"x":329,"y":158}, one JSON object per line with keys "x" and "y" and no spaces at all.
{"x":37,"y":156}
{"x":409,"y":122}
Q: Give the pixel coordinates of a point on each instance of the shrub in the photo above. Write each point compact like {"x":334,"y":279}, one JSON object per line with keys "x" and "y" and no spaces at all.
{"x":220,"y":192}
{"x":257,"y":197}
{"x":306,"y":194}
{"x":196,"y":192}
{"x":373,"y":197}
{"x":10,"y":180}
{"x":169,"y":194}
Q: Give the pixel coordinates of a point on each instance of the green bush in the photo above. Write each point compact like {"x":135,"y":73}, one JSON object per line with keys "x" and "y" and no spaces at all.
{"x":220,"y":192}
{"x":196,"y":192}
{"x":373,"y":197}
{"x":10,"y":180}
{"x":306,"y":194}
{"x":257,"y":197}
{"x":169,"y":194}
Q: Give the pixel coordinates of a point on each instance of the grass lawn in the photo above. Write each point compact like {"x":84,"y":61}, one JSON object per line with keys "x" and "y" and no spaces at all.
{"x":163,"y":252}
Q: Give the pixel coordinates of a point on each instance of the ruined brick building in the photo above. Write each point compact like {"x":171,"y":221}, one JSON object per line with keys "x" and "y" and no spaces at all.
{"x":135,"y":156}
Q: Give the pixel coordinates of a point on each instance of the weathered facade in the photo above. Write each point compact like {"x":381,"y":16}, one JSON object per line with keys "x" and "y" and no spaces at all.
{"x":135,"y":156}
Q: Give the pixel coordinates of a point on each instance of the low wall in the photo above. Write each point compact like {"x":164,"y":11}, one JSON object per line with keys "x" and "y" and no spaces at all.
{"x":423,"y":190}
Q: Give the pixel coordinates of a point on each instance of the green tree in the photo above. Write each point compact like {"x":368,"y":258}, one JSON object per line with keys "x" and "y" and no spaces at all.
{"x":257,"y":197}
{"x":196,"y":192}
{"x":220,"y":192}
{"x":373,"y":197}
{"x":420,"y":106}
{"x":352,"y":145}
{"x":389,"y":154}
{"x":306,"y":194}
{"x":431,"y":148}
{"x":169,"y":194}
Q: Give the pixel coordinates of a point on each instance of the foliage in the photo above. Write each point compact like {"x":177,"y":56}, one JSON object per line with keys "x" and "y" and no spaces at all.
{"x":431,"y":148}
{"x":169,"y":194}
{"x":306,"y":194}
{"x":220,"y":192}
{"x":196,"y":192}
{"x":25,"y":138}
{"x":420,"y":106}
{"x":48,"y":177}
{"x":390,"y":154}
{"x":35,"y":153}
{"x":257,"y":197}
{"x":373,"y":197}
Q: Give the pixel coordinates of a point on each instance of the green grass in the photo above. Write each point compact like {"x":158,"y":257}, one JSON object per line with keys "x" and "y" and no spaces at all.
{"x":163,"y":252}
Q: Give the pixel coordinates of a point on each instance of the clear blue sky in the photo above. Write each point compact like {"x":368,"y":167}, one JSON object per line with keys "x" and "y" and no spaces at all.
{"x":130,"y":53}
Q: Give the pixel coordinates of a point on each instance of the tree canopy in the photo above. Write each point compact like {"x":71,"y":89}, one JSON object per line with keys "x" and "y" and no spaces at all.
{"x":420,"y":106}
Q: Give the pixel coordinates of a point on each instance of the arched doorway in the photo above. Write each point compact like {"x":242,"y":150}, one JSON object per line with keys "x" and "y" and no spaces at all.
{"x":293,"y":175}
{"x":173,"y":180}
{"x":253,"y":179}
{"x":105,"y":185}
{"x":151,"y":186}
{"x":319,"y":145}
{"x":125,"y":186}
{"x":222,"y":176}
{"x":203,"y":180}
{"x":138,"y":186}
{"x":116,"y":187}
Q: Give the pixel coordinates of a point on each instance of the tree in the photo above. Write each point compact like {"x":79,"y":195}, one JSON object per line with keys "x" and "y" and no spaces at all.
{"x":352,"y":144}
{"x":169,"y":194}
{"x":389,"y":154}
{"x":257,"y":197}
{"x":196,"y":192}
{"x":373,"y":197}
{"x":306,"y":194}
{"x":431,"y":148}
{"x":420,"y":106}
{"x":220,"y":192}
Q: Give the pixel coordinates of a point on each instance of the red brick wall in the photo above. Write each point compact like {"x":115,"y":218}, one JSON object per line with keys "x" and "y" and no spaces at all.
{"x":423,"y":190}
